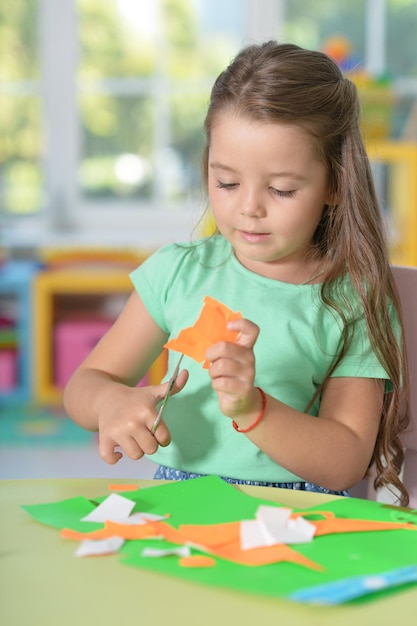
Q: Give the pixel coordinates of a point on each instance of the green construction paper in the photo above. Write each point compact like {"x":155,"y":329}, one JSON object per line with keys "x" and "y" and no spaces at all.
{"x":64,"y":513}
{"x":210,"y":500}
{"x":207,"y":500}
{"x":68,"y":513}
{"x":355,"y":508}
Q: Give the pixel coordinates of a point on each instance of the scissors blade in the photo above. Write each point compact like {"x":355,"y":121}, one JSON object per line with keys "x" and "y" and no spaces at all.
{"x":171,"y":383}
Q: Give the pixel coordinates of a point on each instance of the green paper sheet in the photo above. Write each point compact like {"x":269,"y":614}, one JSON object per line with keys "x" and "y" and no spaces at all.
{"x":64,"y":513}
{"x":210,"y":500}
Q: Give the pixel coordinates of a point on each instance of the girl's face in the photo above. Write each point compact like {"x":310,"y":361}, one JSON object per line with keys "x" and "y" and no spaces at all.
{"x":267,"y":191}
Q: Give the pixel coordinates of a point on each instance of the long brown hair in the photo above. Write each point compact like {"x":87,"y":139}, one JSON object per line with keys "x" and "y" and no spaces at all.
{"x":283,"y":83}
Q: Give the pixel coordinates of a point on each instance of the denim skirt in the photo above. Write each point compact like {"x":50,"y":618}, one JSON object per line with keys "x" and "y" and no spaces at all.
{"x":167,"y":473}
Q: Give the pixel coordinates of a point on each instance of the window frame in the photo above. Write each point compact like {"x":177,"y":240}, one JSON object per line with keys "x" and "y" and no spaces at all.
{"x":67,"y":217}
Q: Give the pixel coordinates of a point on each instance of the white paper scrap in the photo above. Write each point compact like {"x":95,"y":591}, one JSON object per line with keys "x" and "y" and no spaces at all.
{"x":280,"y":528}
{"x":91,"y":547}
{"x":273,"y":515}
{"x":142,"y":518}
{"x":114,"y":508}
{"x":303,"y":527}
{"x":272,"y":526}
{"x":273,"y":521}
{"x":156,"y":552}
{"x":251,"y":535}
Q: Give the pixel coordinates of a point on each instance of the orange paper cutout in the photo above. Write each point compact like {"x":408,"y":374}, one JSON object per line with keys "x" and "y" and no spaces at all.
{"x":169,"y":533}
{"x":131,"y":531}
{"x":264,"y":556}
{"x":76,"y":535}
{"x":211,"y":535}
{"x":197,"y":560}
{"x":113,"y":529}
{"x":210,"y":327}
{"x":223,"y":540}
{"x":331,"y":525}
{"x":123,"y":487}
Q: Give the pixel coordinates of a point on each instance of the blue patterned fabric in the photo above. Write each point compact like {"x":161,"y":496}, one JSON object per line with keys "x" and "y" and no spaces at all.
{"x":167,"y":473}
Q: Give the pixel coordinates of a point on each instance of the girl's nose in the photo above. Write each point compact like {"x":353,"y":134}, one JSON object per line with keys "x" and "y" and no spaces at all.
{"x":252,"y":205}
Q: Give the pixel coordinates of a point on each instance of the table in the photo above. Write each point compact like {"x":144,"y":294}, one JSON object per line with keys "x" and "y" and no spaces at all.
{"x":42,"y":583}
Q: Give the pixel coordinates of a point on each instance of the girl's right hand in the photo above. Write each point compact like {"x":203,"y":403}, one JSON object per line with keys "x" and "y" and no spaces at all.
{"x":125,"y":419}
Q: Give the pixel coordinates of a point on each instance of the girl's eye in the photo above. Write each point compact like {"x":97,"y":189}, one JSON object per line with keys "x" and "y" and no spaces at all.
{"x":221,"y":185}
{"x":283,"y":194}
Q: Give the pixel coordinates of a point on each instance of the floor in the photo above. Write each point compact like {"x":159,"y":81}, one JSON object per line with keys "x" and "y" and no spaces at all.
{"x":45,"y":443}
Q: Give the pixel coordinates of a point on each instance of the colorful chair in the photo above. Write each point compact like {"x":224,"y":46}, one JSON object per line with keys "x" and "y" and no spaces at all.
{"x":406,"y":280}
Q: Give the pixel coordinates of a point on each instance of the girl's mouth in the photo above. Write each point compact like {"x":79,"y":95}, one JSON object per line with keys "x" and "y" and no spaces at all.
{"x":252,"y":237}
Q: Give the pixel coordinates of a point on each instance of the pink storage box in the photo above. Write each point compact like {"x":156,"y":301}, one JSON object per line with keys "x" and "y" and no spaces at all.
{"x":8,"y":369}
{"x":73,"y":341}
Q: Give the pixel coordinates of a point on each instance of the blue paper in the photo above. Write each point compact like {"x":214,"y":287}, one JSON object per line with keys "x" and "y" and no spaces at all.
{"x":351,"y":588}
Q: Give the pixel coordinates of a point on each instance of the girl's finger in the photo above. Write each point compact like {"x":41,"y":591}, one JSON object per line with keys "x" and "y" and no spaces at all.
{"x":248,"y":332}
{"x":162,"y":434}
{"x":160,"y":390}
{"x":108,"y":452}
{"x":180,"y":383}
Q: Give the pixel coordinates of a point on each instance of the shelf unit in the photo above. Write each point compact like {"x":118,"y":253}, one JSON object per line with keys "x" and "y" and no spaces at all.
{"x":55,"y":287}
{"x":16,"y":278}
{"x":400,"y":159}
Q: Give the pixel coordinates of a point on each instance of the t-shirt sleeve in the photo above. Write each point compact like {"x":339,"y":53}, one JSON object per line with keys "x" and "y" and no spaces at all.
{"x":361,"y":360}
{"x":149,"y":280}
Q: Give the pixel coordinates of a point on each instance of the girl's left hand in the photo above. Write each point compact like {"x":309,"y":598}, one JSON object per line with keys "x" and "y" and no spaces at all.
{"x":232,"y":370}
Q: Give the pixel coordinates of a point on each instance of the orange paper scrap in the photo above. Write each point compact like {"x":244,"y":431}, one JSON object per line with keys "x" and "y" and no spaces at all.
{"x":331,"y":525}
{"x":197,"y":560}
{"x":211,"y":535}
{"x":210,"y":327}
{"x":122,"y":487}
{"x":264,"y":556}
{"x":223,"y":540}
{"x":114,"y":529}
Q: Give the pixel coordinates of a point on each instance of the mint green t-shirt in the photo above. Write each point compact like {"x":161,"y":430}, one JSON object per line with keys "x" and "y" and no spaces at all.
{"x":299,"y":340}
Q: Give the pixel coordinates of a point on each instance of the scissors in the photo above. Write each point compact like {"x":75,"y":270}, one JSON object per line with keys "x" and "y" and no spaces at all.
{"x":171,"y":383}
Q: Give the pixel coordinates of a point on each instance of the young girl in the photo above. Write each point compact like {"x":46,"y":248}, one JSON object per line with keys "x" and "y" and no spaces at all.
{"x":311,"y":393}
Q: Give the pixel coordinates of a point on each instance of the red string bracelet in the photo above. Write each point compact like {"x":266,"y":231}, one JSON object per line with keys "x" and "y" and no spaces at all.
{"x":258,"y":419}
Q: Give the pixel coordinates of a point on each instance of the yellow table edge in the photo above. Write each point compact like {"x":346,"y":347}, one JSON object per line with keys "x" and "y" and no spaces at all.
{"x":41,"y":582}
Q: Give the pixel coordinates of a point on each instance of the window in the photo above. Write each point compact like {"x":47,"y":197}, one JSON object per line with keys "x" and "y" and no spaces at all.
{"x":102,"y":103}
{"x":21,"y":133}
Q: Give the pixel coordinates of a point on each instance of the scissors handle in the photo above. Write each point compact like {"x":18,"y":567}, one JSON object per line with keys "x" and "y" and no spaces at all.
{"x":171,"y":383}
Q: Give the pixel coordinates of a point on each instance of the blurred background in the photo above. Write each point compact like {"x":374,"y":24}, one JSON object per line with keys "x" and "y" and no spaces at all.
{"x":101,"y":110}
